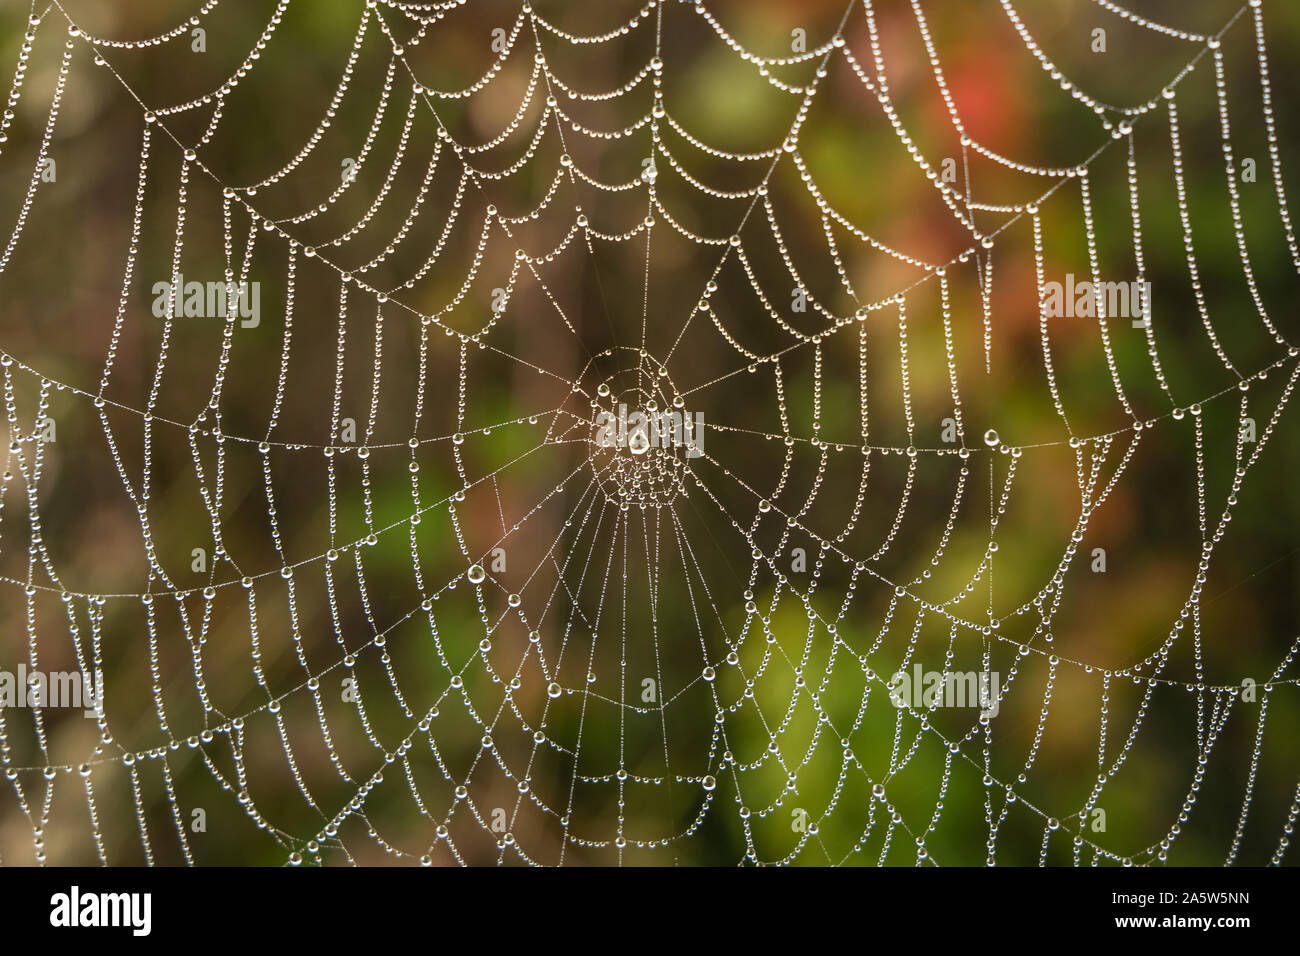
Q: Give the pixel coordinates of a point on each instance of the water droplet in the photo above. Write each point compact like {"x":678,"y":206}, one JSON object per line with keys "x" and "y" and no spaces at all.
{"x":476,"y":574}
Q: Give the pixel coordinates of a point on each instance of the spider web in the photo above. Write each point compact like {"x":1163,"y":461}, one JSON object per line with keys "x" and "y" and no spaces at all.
{"x":432,"y":617}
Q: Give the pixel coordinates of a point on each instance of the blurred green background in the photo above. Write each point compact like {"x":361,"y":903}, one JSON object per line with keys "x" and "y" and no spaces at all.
{"x":357,"y":654}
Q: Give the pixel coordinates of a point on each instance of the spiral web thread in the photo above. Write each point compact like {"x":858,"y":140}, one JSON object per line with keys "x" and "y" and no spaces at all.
{"x":541,"y":713}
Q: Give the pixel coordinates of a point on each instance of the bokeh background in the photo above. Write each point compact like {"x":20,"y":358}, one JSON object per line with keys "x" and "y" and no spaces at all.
{"x":663,"y":591}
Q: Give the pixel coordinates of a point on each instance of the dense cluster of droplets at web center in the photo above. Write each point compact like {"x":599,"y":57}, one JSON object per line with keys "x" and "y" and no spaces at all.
{"x":668,"y":643}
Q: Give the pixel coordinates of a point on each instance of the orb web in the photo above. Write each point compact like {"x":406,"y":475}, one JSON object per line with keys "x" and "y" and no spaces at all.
{"x":586,"y":483}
